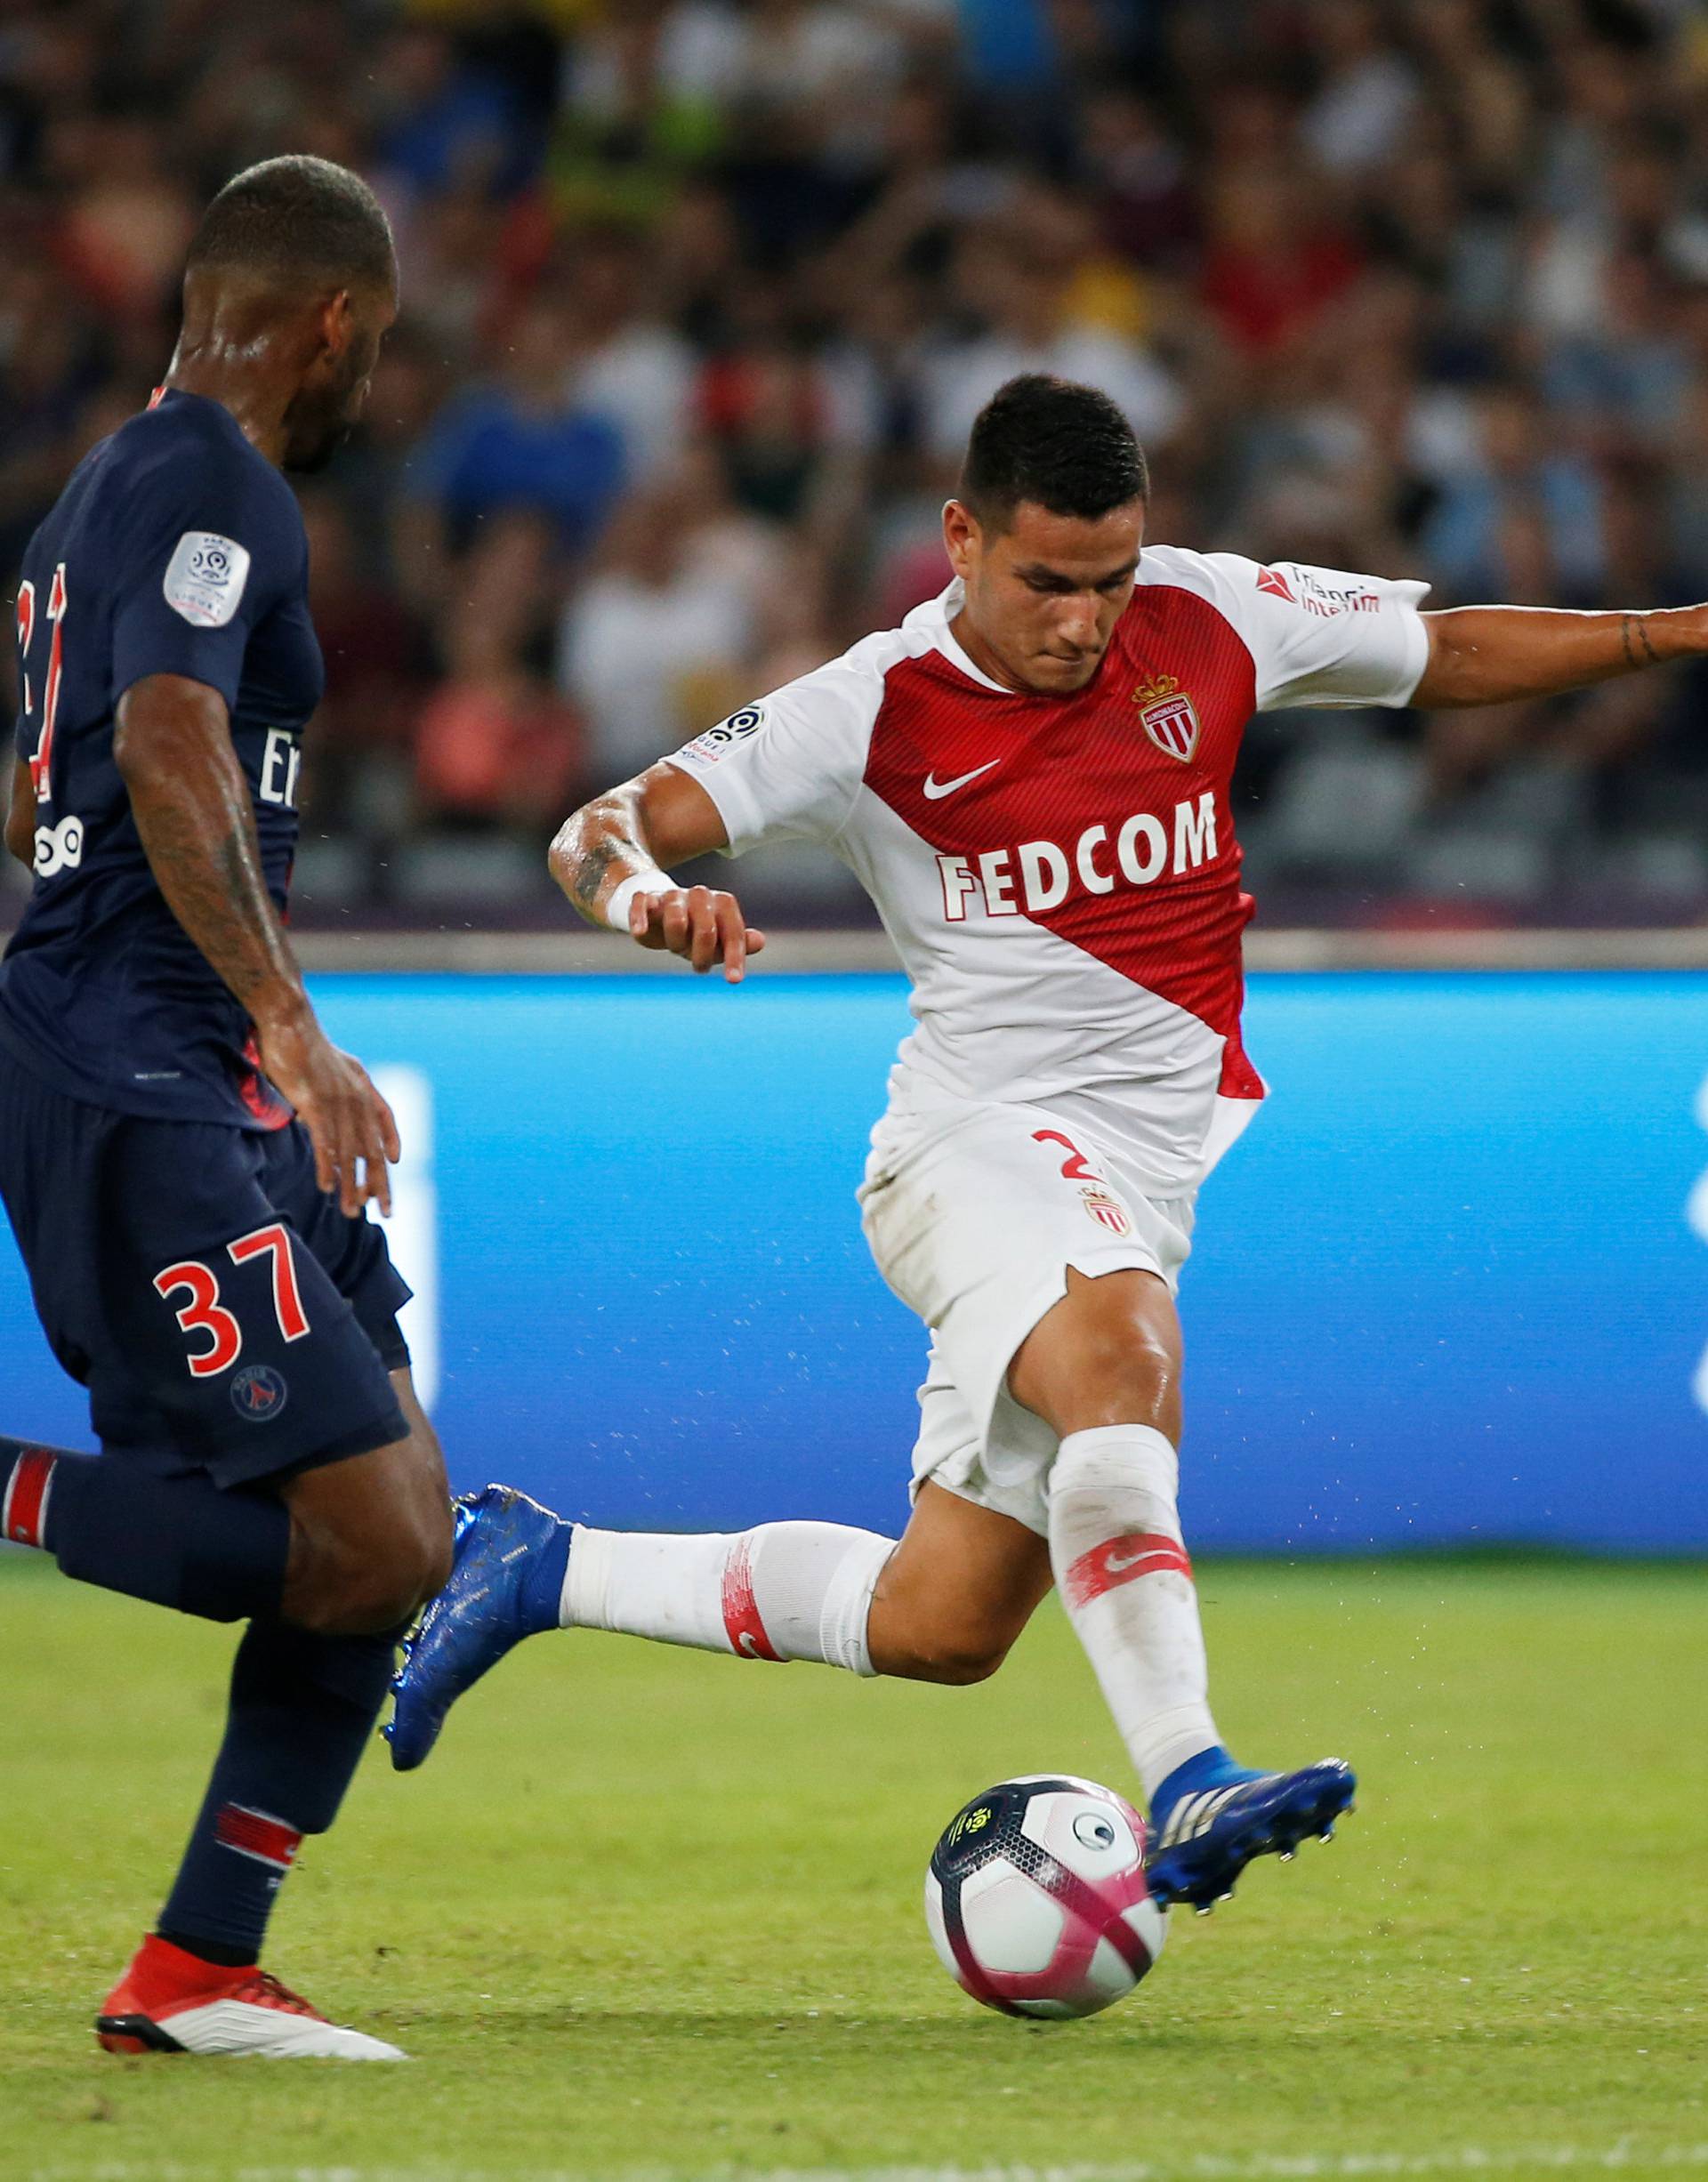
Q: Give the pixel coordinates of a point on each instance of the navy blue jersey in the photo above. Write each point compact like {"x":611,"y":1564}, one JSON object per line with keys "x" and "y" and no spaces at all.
{"x":175,"y":549}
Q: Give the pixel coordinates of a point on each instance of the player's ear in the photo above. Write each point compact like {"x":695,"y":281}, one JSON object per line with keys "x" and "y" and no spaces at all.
{"x":336,"y":324}
{"x":961,"y":536}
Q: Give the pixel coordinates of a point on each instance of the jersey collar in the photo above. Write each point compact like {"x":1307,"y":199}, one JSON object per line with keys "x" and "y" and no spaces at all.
{"x":934,"y":617}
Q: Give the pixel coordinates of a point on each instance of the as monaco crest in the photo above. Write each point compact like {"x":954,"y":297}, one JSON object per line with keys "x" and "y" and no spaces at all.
{"x":1169,"y":717}
{"x":1108,"y":1211}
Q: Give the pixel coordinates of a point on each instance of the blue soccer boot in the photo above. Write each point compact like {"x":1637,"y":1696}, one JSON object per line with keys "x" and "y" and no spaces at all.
{"x":506,"y":1581}
{"x":1209,"y":1819}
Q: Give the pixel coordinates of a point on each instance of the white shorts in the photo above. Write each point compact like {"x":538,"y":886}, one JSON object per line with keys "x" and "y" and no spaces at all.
{"x":974,"y":1213}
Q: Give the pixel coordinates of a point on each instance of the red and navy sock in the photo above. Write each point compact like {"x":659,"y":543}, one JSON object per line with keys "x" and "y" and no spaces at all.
{"x":176,"y":1541}
{"x":302,"y":1710}
{"x":26,"y":1489}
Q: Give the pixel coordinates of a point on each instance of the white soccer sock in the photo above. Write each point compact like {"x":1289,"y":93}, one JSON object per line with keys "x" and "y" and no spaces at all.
{"x":1124,"y":1578}
{"x":786,"y":1590}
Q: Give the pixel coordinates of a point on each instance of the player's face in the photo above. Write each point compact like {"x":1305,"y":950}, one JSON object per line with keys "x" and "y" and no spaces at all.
{"x":333,"y":392}
{"x":1044,"y":594}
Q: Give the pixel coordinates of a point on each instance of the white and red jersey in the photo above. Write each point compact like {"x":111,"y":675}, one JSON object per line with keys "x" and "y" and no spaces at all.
{"x":1059,"y":875}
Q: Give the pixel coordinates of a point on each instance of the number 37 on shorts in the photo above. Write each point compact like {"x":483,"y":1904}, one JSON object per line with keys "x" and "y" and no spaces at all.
{"x":212,"y":1333}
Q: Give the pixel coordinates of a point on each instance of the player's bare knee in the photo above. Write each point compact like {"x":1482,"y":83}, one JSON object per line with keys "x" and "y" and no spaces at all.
{"x":1132,"y":1370}
{"x":955,"y":1654}
{"x":340,"y":1596}
{"x":957,"y":1664}
{"x":1108,"y":1354}
{"x":1121,"y":1375}
{"x":361,"y":1582}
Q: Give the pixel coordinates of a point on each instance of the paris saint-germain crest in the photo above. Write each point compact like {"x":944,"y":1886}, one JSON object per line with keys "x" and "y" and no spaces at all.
{"x":1169,"y":717}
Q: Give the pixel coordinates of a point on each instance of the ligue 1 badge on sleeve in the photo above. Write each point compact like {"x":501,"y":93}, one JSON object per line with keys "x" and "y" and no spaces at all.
{"x":1169,"y":717}
{"x":725,"y":736}
{"x":205,"y":578}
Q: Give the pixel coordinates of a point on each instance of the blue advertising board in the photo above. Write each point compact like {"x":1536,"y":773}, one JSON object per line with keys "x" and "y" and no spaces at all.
{"x":1451,"y":1288}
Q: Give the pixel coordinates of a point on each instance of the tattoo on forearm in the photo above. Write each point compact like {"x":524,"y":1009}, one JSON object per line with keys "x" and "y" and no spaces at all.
{"x":1639,"y":622}
{"x":214,"y":886}
{"x":591,"y":870}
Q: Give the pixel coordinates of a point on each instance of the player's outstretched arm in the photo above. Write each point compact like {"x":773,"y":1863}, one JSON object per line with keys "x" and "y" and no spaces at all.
{"x":608,"y":859}
{"x":20,"y":817}
{"x":192,"y":810}
{"x":1492,"y":654}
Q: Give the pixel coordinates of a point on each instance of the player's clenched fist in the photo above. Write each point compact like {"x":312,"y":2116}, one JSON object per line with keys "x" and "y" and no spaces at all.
{"x":700,"y":923}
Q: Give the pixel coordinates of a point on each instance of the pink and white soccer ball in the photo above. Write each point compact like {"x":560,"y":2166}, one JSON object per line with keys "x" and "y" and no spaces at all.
{"x":1036,"y":1899}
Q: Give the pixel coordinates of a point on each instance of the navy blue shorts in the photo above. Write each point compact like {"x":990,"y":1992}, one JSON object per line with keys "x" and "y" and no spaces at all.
{"x":222,"y":1312}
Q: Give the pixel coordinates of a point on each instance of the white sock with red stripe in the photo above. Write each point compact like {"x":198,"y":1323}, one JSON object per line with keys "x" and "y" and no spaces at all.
{"x":786,"y":1590}
{"x":1124,"y":1578}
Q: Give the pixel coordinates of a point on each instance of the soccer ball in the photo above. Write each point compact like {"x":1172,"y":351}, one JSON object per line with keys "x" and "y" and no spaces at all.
{"x":1036,"y":1900}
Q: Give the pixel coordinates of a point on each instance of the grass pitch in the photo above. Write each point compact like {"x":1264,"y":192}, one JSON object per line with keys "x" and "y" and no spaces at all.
{"x":650,"y":1911}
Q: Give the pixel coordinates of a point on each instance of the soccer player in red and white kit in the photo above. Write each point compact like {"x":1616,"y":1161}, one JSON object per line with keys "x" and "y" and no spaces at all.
{"x":1030,"y":777}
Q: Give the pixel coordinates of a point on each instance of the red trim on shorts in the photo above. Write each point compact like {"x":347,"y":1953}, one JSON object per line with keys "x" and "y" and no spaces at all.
{"x":23,"y":1514}
{"x":1123,"y":1560}
{"x":741,"y":1618}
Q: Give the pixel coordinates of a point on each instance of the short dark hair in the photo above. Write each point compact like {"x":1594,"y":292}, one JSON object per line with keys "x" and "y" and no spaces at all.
{"x":1067,"y":448}
{"x":294,"y":220}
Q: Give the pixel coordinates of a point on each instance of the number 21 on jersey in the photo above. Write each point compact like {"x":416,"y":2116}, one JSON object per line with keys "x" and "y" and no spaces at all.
{"x":58,"y":847}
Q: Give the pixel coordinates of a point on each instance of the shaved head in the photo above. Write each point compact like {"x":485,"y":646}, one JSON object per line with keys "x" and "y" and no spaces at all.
{"x":290,"y":283}
{"x":296,"y":222}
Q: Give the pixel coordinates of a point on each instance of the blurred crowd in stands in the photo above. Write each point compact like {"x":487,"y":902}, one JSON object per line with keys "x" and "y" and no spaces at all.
{"x":701,"y":295}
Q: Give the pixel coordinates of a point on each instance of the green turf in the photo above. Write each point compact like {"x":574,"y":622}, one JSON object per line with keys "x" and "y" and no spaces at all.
{"x":650,"y":1909}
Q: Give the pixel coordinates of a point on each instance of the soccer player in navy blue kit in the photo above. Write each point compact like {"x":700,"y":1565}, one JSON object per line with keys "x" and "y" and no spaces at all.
{"x":186,"y":1159}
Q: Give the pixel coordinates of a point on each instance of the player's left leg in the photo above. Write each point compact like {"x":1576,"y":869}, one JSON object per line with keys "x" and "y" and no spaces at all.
{"x":349,"y":1560}
{"x":177,"y":1541}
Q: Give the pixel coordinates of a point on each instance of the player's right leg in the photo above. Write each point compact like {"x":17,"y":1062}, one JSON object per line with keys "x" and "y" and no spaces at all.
{"x":301,"y":1710}
{"x":292,"y":1474}
{"x":256,"y":1461}
{"x":944,"y":1604}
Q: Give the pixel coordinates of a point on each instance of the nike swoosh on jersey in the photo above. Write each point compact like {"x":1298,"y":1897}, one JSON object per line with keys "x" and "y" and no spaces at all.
{"x":935,"y":789}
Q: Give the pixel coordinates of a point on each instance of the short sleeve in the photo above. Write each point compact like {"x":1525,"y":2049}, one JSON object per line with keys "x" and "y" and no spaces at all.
{"x":202,"y":550}
{"x":1320,"y":636}
{"x":789,"y":767}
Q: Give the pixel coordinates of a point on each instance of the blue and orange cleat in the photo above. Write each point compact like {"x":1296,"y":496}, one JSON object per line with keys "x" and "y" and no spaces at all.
{"x":506,"y":1579}
{"x":1205,"y":1838}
